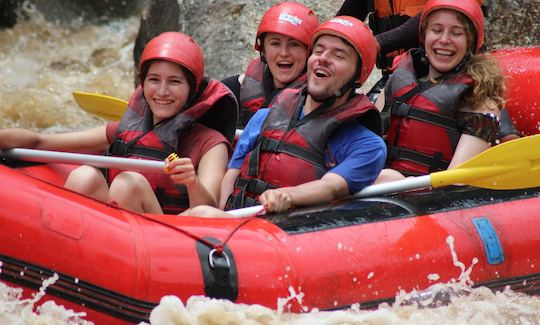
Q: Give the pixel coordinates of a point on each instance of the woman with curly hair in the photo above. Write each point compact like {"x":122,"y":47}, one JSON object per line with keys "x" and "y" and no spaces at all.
{"x":443,"y":101}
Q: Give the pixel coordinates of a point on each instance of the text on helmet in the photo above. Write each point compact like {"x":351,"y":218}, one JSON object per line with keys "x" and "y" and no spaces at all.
{"x":291,"y":19}
{"x":342,"y":21}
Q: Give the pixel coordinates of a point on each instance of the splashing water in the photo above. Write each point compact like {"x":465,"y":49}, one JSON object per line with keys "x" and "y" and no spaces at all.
{"x":456,"y":302}
{"x":43,"y":63}
{"x":480,"y":306}
{"x":15,"y":310}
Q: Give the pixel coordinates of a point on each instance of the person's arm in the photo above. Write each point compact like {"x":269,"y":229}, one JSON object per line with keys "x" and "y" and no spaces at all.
{"x":359,"y":156}
{"x":354,"y":8}
{"x":247,"y":141}
{"x":479,"y":128}
{"x":227,"y":185}
{"x":87,"y":141}
{"x":468,"y":146}
{"x":405,"y":36}
{"x":330,"y":187}
{"x":203,"y":186}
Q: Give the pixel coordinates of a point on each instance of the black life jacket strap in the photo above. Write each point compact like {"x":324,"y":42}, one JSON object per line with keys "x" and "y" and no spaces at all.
{"x":386,"y":113}
{"x":276,"y":146}
{"x":404,"y":110}
{"x":121,"y":148}
{"x":254,"y":186}
{"x":434,"y":163}
{"x":244,"y":186}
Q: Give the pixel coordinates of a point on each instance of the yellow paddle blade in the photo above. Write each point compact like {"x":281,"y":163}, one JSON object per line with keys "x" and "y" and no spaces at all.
{"x":107,"y":107}
{"x":511,"y":165}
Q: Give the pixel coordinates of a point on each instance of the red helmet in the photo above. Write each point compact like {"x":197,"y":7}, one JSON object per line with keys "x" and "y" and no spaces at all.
{"x":357,"y":34}
{"x":288,"y":18}
{"x":178,"y":48}
{"x":470,"y":8}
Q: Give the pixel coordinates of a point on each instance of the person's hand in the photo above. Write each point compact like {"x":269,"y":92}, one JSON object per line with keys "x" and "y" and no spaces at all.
{"x":182,"y":171}
{"x":276,"y":200}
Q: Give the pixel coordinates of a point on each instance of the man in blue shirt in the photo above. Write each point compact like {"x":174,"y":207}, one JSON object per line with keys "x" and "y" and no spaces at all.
{"x":315,"y":144}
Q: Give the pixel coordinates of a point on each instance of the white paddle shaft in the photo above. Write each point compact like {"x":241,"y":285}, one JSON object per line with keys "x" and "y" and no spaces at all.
{"x":44,"y":156}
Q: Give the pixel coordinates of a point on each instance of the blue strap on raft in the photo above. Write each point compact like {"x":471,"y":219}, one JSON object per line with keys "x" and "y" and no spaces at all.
{"x":490,"y":240}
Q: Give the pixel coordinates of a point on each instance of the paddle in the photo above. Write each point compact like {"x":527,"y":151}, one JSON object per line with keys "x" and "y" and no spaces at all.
{"x":44,"y":156}
{"x":107,"y":107}
{"x":510,"y":165}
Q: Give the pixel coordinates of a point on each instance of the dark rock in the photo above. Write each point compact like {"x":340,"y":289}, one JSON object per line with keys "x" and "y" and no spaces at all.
{"x":160,"y":16}
{"x":8,"y":12}
{"x":70,"y":11}
{"x":226,"y":29}
{"x":95,"y":11}
{"x":512,"y":23}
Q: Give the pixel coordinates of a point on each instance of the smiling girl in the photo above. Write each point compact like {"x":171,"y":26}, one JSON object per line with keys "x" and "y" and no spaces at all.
{"x":282,"y":40}
{"x":174,"y":110}
{"x":444,"y":99}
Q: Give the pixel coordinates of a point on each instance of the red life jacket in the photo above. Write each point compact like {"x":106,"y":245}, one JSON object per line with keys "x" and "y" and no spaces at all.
{"x":137,"y":137}
{"x":257,"y":90}
{"x":291,"y":151}
{"x":423,"y":132}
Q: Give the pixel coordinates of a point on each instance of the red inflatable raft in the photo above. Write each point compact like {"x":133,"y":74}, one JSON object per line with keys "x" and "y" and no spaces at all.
{"x":116,"y":265}
{"x":523,"y":86}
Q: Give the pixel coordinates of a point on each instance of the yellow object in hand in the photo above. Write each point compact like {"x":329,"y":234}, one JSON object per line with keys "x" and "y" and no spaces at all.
{"x":173,"y":156}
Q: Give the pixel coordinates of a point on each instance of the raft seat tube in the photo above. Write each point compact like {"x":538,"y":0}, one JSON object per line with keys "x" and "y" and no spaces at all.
{"x":490,"y":240}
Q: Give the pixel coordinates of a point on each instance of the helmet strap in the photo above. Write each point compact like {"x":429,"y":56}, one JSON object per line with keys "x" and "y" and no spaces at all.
{"x":263,"y":58}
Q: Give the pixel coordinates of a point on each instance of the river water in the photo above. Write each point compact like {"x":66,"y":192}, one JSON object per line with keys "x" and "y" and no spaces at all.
{"x":42,"y":63}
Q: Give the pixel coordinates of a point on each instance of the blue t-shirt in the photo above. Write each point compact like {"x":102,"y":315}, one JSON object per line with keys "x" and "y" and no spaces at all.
{"x":359,"y":154}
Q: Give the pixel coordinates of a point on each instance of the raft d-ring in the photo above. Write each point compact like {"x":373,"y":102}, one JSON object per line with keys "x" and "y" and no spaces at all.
{"x":211,"y":258}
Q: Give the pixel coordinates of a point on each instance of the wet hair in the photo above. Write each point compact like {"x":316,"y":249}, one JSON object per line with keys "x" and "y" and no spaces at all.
{"x":489,"y":82}
{"x":469,"y":30}
{"x":146,"y":66}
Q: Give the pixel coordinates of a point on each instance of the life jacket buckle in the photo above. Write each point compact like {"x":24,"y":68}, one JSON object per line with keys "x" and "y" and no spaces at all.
{"x":119,"y":148}
{"x":271,"y":145}
{"x":401,"y":109}
{"x":256,"y":186}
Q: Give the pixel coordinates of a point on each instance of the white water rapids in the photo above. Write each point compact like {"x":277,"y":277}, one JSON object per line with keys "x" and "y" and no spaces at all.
{"x":42,"y":63}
